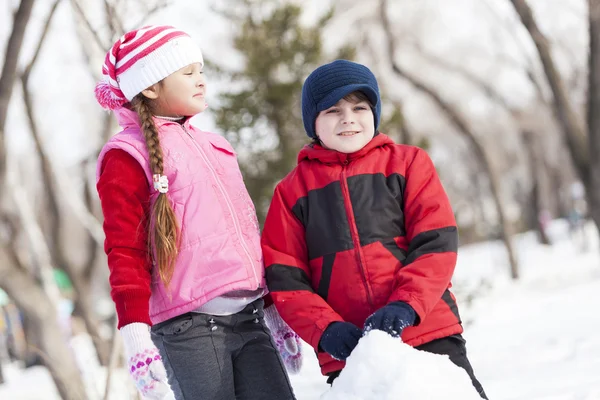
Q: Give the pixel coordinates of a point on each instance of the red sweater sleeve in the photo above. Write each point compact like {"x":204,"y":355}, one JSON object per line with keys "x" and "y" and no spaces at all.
{"x":125,"y":199}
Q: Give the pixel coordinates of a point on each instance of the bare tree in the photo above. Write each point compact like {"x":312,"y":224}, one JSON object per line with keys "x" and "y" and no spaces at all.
{"x":527,"y":136}
{"x":15,"y":278}
{"x":395,"y":125}
{"x":9,"y":73}
{"x":531,"y":146}
{"x":457,"y":120}
{"x":77,"y":276}
{"x":7,"y":79}
{"x":29,"y":281}
{"x":585,"y":153}
{"x":593,"y":111}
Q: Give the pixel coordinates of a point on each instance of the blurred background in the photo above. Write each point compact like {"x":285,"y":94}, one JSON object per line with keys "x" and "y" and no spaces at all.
{"x":503,"y":94}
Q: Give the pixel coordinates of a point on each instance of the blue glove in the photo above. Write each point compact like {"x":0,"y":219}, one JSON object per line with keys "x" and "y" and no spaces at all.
{"x":339,"y":339}
{"x":391,"y":318}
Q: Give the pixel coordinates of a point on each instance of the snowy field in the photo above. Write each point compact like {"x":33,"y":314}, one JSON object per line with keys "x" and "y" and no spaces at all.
{"x":534,"y":339}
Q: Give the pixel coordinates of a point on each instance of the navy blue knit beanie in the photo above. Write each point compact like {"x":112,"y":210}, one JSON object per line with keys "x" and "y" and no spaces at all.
{"x":329,"y":83}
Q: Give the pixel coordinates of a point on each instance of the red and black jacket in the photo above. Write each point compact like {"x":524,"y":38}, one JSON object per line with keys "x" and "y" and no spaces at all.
{"x":348,"y":233}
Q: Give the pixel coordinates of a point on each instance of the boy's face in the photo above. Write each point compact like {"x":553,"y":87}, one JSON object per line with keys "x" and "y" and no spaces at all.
{"x":346,"y":127}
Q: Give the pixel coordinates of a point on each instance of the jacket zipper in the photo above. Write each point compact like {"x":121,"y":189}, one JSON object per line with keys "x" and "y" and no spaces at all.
{"x":354,"y":229}
{"x":227,"y":200}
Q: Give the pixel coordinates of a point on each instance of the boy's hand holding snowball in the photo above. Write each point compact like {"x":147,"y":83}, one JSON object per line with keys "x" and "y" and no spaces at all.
{"x":340,"y":338}
{"x":391,"y":318}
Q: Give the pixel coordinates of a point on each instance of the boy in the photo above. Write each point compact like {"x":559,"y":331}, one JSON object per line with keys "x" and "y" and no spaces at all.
{"x":361,"y":235}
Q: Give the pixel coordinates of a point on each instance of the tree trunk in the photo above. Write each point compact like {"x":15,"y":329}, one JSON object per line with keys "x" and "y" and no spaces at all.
{"x":80,"y":286}
{"x":574,"y":135}
{"x":9,"y":73}
{"x":587,"y":163}
{"x":536,"y":196}
{"x":505,"y":229}
{"x":83,"y":304}
{"x":461,"y":125}
{"x":556,"y":190}
{"x":38,"y":307}
{"x":57,"y":250}
{"x":593,"y":185}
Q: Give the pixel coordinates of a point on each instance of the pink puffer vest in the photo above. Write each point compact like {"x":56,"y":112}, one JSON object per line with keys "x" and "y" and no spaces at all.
{"x":220,"y":244}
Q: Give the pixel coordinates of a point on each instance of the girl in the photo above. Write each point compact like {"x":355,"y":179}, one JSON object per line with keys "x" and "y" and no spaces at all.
{"x":182,"y":238}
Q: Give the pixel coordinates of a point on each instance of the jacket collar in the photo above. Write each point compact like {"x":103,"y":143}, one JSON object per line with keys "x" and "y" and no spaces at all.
{"x":327,"y":156}
{"x":129,"y":119}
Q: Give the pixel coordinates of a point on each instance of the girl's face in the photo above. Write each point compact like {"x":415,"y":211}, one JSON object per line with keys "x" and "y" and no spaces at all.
{"x":346,"y":127}
{"x":180,"y":94}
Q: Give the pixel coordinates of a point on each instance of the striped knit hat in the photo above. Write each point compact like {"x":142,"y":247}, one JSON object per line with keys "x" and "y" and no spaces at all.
{"x":141,"y":58}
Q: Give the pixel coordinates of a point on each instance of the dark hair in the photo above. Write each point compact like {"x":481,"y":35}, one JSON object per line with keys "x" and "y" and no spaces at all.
{"x":163,"y":225}
{"x":354,"y":98}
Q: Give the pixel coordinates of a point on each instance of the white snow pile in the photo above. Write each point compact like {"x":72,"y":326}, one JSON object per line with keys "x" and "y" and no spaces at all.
{"x":383,"y":368}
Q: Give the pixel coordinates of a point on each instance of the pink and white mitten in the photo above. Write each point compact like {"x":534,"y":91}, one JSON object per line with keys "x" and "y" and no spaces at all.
{"x":288,"y":342}
{"x":144,"y":362}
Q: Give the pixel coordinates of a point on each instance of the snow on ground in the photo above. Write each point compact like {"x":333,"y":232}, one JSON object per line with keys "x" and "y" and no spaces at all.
{"x":536,"y":338}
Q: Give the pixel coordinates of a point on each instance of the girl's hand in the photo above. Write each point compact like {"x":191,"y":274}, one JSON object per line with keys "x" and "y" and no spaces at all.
{"x":287,"y":341}
{"x":144,"y":362}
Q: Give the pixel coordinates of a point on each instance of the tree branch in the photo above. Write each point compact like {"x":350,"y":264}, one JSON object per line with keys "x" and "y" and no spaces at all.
{"x":153,"y":10}
{"x":457,"y":120}
{"x":92,"y":246}
{"x":11,"y":58}
{"x":50,"y":192}
{"x":462,"y":126}
{"x":573,"y":131}
{"x":27,"y":71}
{"x":88,"y":25}
{"x":482,"y":84}
{"x":9,"y":73}
{"x":10,"y":245}
{"x":88,"y":220}
{"x":36,"y":242}
{"x":593,"y":108}
{"x":530,"y":68}
{"x":115,"y":24}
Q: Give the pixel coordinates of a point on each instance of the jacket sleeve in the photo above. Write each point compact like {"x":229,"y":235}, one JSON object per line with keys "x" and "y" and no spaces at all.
{"x":432,"y":239}
{"x":288,"y":274}
{"x":124,"y":196}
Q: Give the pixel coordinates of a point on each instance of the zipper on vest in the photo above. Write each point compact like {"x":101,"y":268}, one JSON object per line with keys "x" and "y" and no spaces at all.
{"x":354,"y":229}
{"x":227,"y":200}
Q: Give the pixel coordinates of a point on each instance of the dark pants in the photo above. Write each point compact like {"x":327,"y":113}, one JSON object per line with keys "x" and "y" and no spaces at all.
{"x":222,"y":357}
{"x":452,"y":346}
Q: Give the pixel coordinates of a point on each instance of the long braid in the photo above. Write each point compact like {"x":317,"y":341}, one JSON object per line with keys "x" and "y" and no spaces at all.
{"x":164,"y":227}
